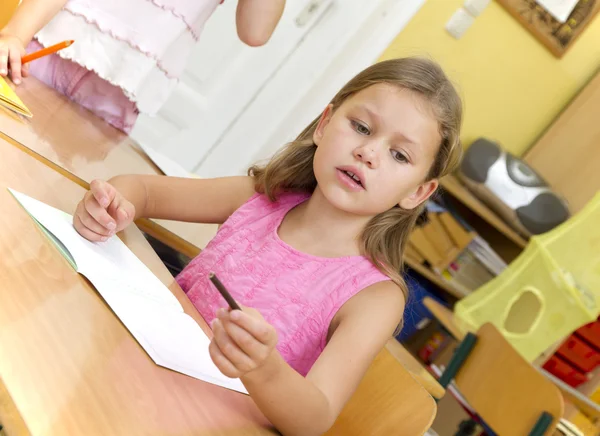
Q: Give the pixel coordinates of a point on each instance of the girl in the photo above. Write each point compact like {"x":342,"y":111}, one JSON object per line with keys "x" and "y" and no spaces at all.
{"x":312,"y":241}
{"x":128,"y":53}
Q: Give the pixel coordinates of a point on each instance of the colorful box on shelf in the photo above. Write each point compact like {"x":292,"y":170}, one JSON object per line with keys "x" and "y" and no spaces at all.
{"x":591,"y":333}
{"x":564,"y":371}
{"x":581,"y":355}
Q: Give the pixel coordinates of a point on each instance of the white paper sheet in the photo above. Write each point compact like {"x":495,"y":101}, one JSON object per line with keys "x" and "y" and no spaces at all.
{"x":151,"y":313}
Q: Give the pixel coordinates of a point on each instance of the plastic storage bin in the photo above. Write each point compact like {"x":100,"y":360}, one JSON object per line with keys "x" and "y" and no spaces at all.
{"x":591,"y":333}
{"x":550,"y":290}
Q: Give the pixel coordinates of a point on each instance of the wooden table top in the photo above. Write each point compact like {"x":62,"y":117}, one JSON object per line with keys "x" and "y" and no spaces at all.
{"x":83,"y":147}
{"x":45,"y":143}
{"x":68,"y":365}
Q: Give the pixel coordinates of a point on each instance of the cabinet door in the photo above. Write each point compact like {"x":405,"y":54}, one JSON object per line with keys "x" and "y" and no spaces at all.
{"x":222,"y":77}
{"x":568,"y":153}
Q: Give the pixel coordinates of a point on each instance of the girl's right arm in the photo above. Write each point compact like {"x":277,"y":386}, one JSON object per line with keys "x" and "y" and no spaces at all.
{"x":29,"y":18}
{"x":109,"y":207}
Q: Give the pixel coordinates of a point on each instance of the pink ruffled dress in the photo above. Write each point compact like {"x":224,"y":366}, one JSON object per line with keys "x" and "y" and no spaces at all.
{"x":127,"y":56}
{"x":297,"y":293}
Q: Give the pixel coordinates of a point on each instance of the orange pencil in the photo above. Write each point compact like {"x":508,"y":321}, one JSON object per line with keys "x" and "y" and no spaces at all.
{"x":45,"y":51}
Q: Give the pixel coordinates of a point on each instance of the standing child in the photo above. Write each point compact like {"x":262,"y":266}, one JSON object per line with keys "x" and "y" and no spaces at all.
{"x":312,"y":242}
{"x":128,"y":54}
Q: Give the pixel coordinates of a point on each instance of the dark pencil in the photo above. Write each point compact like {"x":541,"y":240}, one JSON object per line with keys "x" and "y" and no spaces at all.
{"x":226,"y":295}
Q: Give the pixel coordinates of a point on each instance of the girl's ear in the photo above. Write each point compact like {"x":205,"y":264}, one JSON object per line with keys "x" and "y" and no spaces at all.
{"x":323,"y":121}
{"x":421,"y":194}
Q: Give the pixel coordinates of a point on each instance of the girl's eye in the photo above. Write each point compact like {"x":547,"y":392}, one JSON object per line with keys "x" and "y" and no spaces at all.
{"x":400,"y":157}
{"x":360,"y":128}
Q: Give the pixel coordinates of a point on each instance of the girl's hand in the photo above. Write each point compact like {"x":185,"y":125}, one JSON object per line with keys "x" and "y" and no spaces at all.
{"x":102,"y":212}
{"x":12,"y":50}
{"x":243,"y":341}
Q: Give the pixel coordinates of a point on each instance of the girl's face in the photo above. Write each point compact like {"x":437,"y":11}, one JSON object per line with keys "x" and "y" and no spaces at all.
{"x":375,"y":151}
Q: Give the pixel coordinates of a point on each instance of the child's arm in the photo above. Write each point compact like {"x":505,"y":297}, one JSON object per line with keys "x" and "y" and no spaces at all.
{"x":183,"y":199}
{"x":29,"y":18}
{"x":256,"y":20}
{"x":109,"y":207}
{"x":298,"y":405}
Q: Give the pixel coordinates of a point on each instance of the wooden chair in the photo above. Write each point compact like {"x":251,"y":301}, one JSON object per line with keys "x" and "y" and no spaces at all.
{"x":388,"y":401}
{"x":415,"y":368}
{"x":7,"y":10}
{"x":505,"y":390}
{"x":445,"y":317}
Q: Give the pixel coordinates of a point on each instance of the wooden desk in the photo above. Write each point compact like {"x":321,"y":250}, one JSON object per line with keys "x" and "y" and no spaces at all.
{"x":68,"y":366}
{"x":83,"y":147}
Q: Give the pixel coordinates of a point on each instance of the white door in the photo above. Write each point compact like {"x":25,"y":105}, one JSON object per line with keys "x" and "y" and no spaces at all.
{"x":221,"y":78}
{"x":351,"y":35}
{"x":236,"y":104}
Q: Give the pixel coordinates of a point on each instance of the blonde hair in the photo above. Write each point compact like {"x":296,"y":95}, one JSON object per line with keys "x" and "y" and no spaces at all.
{"x":385,"y":236}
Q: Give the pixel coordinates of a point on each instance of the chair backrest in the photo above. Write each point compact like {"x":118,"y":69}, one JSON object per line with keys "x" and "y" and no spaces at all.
{"x":506,"y":391}
{"x":415,"y":368}
{"x":388,"y":401}
{"x":7,"y":10}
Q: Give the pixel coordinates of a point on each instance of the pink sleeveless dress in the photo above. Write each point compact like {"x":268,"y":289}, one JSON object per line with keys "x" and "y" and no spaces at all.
{"x":127,"y":56}
{"x":297,"y":293}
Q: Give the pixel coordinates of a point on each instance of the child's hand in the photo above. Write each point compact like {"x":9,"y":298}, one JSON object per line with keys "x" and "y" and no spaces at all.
{"x":12,"y":50}
{"x":102,"y":212}
{"x":242,"y":342}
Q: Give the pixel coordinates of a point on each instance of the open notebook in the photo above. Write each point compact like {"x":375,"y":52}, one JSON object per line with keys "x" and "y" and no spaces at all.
{"x":142,"y":302}
{"x":10,"y":100}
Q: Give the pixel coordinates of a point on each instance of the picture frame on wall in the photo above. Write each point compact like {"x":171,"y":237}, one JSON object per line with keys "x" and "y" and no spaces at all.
{"x":557,"y":35}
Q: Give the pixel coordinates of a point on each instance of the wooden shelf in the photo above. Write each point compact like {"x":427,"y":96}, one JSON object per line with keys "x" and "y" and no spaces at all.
{"x":457,"y":190}
{"x":578,"y":397}
{"x":453,"y":186}
{"x":444,"y":285}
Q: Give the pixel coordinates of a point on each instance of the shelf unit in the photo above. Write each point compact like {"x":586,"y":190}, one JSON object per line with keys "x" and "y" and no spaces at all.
{"x":501,"y":237}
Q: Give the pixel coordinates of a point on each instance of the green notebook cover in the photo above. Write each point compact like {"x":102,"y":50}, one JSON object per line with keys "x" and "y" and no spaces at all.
{"x":59,"y":245}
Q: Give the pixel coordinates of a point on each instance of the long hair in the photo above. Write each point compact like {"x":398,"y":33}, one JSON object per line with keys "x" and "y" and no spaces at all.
{"x":383,"y":239}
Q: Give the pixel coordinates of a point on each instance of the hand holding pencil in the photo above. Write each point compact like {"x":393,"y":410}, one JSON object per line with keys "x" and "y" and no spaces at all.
{"x":12,"y":54}
{"x":243,"y":340}
{"x":12,"y":50}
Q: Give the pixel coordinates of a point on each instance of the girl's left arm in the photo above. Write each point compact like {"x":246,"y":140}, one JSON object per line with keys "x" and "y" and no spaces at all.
{"x":256,"y":20}
{"x":243,"y":346}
